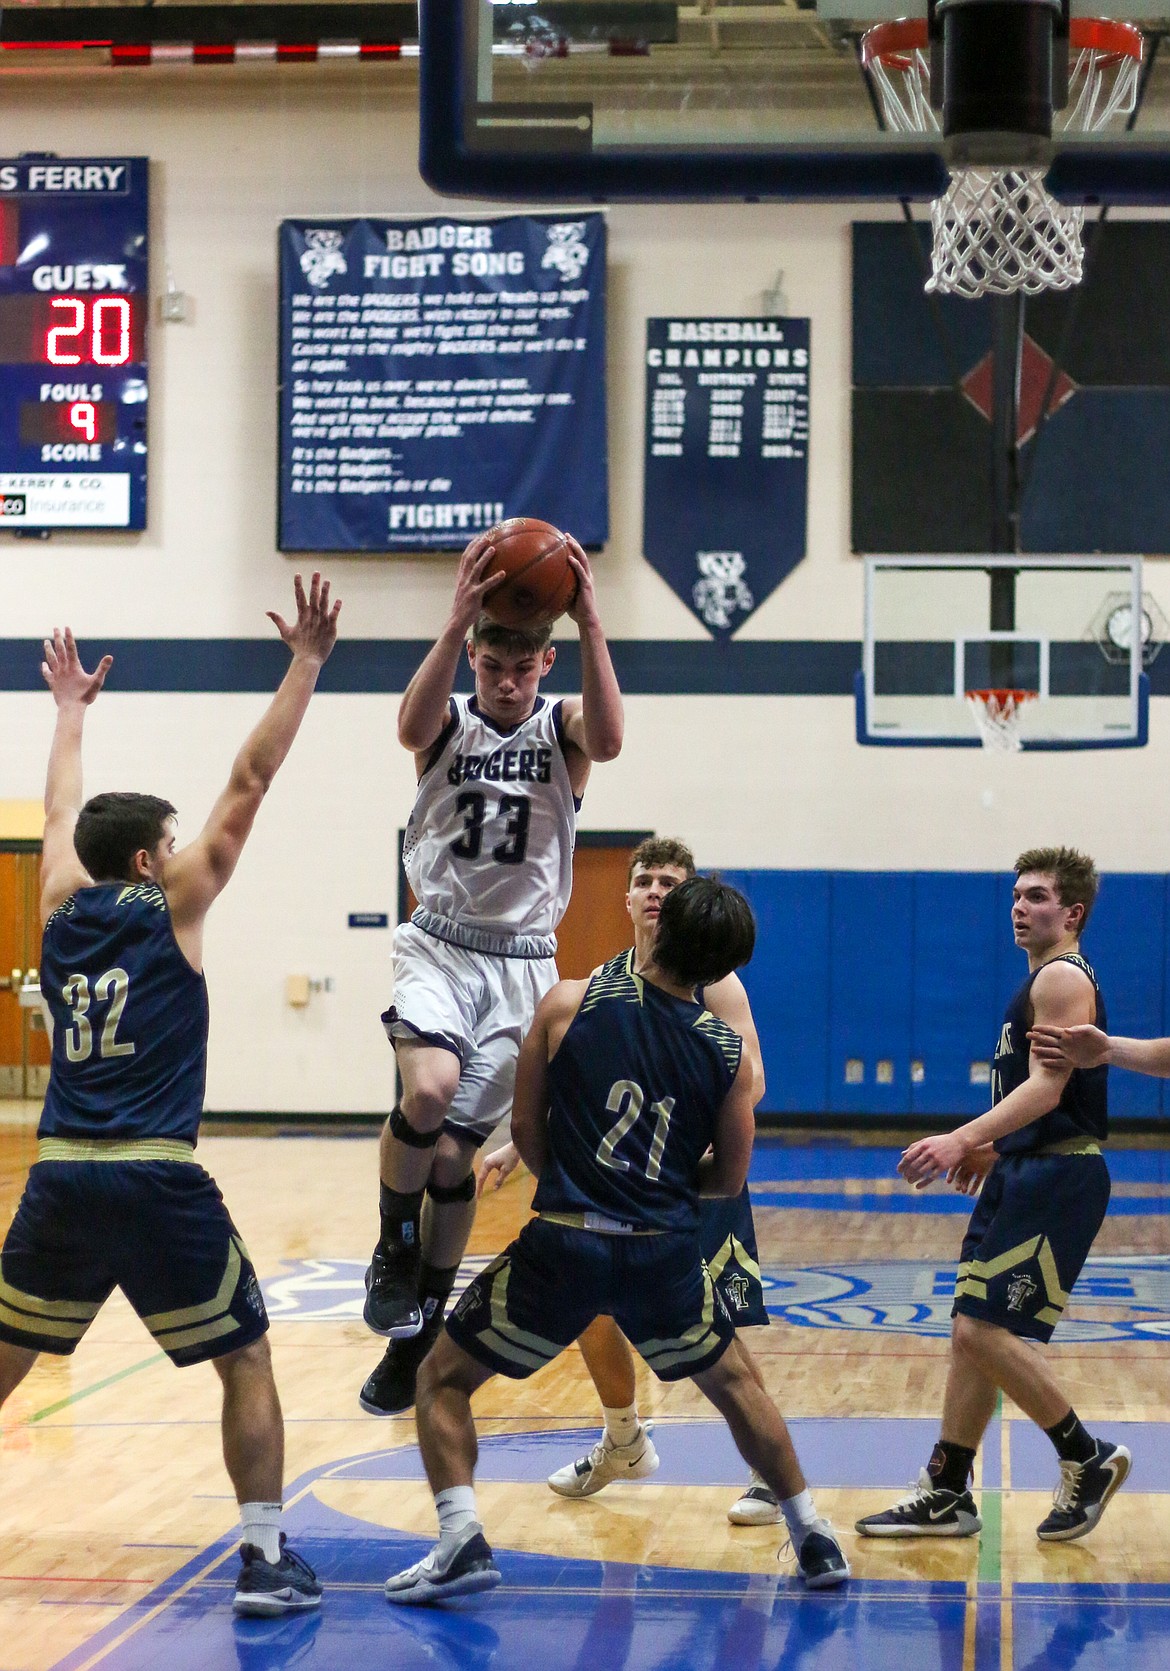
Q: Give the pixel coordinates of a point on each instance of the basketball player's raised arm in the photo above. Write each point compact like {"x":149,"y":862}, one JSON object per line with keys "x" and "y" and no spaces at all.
{"x":62,"y":872}
{"x":1062,"y":996}
{"x":422,"y":713}
{"x":724,"y":1171}
{"x":200,"y":871}
{"x":594,"y":721}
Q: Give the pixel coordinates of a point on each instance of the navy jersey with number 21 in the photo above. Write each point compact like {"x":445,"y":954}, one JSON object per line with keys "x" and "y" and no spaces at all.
{"x":634,"y":1089}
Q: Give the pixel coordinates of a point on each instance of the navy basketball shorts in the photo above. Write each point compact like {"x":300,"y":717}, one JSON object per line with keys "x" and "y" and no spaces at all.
{"x":727,"y":1232}
{"x":548,"y":1286}
{"x":1028,"y":1238}
{"x":158,"y":1230}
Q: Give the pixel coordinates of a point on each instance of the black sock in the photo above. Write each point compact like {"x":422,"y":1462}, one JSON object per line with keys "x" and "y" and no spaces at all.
{"x":1072,"y":1440}
{"x":399,"y":1214}
{"x":950,"y":1466}
{"x":434,"y":1290}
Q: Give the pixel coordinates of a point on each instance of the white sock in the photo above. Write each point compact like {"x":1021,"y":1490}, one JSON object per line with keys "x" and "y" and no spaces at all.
{"x":457,"y":1511}
{"x":260,"y":1526}
{"x":800,"y":1516}
{"x":622,"y":1425}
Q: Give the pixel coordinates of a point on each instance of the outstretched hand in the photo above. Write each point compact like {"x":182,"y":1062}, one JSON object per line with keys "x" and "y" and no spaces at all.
{"x":1083,"y":1046}
{"x":314,"y":633}
{"x":63,"y":673}
{"x":497,"y":1166}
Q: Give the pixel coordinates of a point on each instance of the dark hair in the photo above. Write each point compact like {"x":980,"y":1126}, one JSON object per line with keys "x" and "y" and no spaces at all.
{"x":705,"y":930}
{"x":112,"y":828}
{"x":1074,"y":873}
{"x":661,"y":850}
{"x":512,"y":641}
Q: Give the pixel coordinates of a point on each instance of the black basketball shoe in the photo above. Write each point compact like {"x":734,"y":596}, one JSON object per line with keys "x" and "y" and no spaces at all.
{"x":392,"y":1306}
{"x":820,"y":1559}
{"x":267,"y":1588}
{"x":926,"y":1513}
{"x":389,"y":1389}
{"x":1085,"y":1488}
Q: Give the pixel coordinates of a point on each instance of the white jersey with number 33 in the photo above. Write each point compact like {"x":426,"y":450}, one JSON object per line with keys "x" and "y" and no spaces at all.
{"x":489,"y":845}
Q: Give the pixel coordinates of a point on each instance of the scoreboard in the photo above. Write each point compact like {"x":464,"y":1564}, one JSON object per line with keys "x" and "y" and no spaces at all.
{"x":73,"y":304}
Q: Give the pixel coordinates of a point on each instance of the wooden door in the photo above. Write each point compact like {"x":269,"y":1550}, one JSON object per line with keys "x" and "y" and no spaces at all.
{"x":24,"y":1043}
{"x":596,"y":925}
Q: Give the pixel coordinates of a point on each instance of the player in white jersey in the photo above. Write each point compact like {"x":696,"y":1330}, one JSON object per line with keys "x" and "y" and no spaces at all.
{"x":489,"y":854}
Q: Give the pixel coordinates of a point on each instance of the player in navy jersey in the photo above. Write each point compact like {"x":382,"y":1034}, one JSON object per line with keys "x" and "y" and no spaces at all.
{"x":115,"y":1197}
{"x":489,"y":855}
{"x":623,"y":1084}
{"x":727,"y":1231}
{"x":1045,"y":1189}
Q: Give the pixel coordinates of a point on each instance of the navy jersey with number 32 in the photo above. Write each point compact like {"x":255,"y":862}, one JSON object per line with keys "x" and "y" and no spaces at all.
{"x":129,"y":1018}
{"x":634,"y":1090}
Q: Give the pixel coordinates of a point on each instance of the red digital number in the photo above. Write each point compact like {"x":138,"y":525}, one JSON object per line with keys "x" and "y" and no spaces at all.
{"x":56,"y":355}
{"x":108,"y":341}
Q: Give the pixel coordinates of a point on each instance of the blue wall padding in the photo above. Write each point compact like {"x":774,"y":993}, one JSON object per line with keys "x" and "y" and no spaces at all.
{"x":903,"y":967}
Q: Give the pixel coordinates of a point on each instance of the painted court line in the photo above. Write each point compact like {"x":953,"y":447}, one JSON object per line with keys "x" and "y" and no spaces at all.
{"x":85,"y":1392}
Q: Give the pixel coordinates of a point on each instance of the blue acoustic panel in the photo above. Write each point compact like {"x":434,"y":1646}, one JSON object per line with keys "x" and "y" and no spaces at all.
{"x":1124,"y":942}
{"x":870,"y":991}
{"x":787,"y":982}
{"x":955,"y":990}
{"x":1091,"y":476}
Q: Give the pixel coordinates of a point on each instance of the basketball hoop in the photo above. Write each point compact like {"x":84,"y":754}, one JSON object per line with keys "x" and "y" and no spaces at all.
{"x":999,"y":716}
{"x":998,"y":230}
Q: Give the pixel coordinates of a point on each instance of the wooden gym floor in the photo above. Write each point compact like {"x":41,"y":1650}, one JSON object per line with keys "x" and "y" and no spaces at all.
{"x":116,"y":1534}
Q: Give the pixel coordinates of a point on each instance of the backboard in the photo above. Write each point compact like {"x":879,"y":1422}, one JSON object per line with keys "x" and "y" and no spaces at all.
{"x":556,"y":99}
{"x":1061,"y":627}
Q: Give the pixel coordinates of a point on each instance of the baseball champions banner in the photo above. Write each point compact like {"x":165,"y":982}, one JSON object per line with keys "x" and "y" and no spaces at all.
{"x":437,"y":376}
{"x":726,"y":469}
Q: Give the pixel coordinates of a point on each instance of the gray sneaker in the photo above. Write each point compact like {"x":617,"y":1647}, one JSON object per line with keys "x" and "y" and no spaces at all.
{"x":459,"y":1569}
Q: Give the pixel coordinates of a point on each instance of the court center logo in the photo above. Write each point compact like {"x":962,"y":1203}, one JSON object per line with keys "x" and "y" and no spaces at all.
{"x":566,"y":251}
{"x":722,"y":590}
{"x":321,"y":258}
{"x":1117,"y":1298}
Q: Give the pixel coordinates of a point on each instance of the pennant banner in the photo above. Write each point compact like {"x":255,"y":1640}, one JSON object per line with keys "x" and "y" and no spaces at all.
{"x":726,"y":476}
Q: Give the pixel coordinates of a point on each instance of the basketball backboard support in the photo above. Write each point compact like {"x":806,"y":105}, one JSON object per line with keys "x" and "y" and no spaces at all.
{"x":600,"y":100}
{"x":939,"y":627}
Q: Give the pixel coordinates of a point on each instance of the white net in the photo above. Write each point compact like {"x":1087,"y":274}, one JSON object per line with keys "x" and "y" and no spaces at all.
{"x":999,"y":715}
{"x":998,"y":230}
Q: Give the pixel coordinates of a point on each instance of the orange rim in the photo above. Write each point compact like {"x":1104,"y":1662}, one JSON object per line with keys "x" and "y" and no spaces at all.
{"x":1101,"y":34}
{"x":1001,"y":698}
{"x":894,"y":44}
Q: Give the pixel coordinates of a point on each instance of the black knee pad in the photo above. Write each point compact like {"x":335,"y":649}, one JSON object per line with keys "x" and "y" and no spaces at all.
{"x":401,"y":1128}
{"x":448,"y":1195}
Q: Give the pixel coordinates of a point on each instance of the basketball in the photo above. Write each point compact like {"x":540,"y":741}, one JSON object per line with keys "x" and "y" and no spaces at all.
{"x":541,"y":583}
